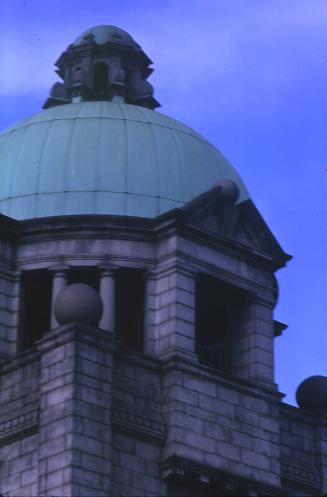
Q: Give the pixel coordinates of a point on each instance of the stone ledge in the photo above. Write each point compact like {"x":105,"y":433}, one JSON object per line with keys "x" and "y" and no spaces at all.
{"x":207,"y":478}
{"x":78,"y":333}
{"x":4,"y":357}
{"x":299,"y":474}
{"x":137,"y":358}
{"x":175,"y":362}
{"x":27,"y":357}
{"x":139,"y":426}
{"x":19,"y":426}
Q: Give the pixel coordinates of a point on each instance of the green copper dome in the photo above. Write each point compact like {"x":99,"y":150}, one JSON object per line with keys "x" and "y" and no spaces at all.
{"x":105,"y":158}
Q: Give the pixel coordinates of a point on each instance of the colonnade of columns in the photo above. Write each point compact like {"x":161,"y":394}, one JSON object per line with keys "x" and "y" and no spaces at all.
{"x":107,"y":293}
{"x":165,"y":325}
{"x":169,"y":319}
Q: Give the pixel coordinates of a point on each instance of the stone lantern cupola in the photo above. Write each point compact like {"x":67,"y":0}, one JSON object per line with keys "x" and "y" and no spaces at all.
{"x":103,"y":62}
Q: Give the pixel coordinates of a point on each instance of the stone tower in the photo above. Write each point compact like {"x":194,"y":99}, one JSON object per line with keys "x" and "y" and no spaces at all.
{"x":137,"y":292}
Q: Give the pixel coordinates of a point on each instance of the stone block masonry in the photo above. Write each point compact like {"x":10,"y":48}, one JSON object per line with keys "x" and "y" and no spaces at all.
{"x":88,"y":431}
{"x":19,"y":467}
{"x":135,"y":467}
{"x":75,"y":420}
{"x":174,"y":315}
{"x":220,"y":424}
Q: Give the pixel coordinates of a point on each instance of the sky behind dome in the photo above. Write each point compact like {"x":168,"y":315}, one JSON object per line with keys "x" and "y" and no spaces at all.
{"x":251,"y":76}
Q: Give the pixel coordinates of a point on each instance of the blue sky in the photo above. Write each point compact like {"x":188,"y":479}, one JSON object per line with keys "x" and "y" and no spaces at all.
{"x":251,"y":76}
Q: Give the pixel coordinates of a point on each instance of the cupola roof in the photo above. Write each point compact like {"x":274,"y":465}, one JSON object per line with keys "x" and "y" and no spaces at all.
{"x":104,"y":34}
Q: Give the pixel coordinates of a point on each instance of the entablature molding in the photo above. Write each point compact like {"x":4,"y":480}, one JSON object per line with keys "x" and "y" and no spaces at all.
{"x":214,"y":481}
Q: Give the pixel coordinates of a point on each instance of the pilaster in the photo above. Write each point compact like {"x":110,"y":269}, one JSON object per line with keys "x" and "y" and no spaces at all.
{"x":75,"y":411}
{"x":150,"y":313}
{"x":253,"y":351}
{"x":174,"y":317}
{"x":321,"y":448}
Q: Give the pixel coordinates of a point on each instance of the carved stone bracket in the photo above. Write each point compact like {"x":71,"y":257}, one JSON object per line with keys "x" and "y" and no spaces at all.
{"x":301,"y":475}
{"x":19,"y":426}
{"x":213,"y":481}
{"x":140,"y":426}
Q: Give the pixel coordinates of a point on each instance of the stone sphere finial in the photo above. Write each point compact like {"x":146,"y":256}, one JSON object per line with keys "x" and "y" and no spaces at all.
{"x":227,"y":189}
{"x":78,"y":303}
{"x":311,"y":394}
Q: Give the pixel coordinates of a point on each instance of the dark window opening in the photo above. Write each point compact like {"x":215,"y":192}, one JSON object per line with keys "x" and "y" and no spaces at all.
{"x":36,"y":288}
{"x":84,"y":274}
{"x":192,"y":485}
{"x":219,"y":312}
{"x":100,"y":77}
{"x":78,"y":74}
{"x":129,"y":307}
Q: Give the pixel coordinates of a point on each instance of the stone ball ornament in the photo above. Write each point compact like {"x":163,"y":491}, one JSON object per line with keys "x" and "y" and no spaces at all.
{"x":228,"y":190}
{"x":78,"y":303}
{"x":311,"y":394}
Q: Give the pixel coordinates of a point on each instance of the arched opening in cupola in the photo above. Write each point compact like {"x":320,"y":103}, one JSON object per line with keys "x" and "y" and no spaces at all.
{"x":100,"y":80}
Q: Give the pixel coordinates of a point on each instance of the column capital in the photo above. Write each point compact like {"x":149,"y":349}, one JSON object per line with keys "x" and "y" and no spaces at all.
{"x":59,"y":269}
{"x":107,"y":271}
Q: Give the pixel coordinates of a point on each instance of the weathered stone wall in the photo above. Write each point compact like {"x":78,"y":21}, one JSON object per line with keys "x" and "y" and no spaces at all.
{"x":173,"y":308}
{"x":135,"y":467}
{"x":75,"y":417}
{"x":19,"y":417}
{"x":19,"y":467}
{"x":9,"y":304}
{"x":158,"y":411}
{"x":297,"y":436}
{"x":19,"y":385}
{"x":219,"y":424}
{"x":9,"y":291}
{"x":138,"y":426}
{"x":299,"y":446}
{"x":136,"y":386}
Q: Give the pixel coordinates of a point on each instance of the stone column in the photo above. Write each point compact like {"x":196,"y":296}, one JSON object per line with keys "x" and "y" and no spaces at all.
{"x":59,"y":282}
{"x":107,"y":293}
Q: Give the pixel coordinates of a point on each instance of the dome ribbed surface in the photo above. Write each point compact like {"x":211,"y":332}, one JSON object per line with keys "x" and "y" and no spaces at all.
{"x":106,"y":33}
{"x":105,"y":158}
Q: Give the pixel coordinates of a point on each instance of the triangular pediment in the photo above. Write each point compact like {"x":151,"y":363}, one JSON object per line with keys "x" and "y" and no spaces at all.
{"x":239,"y":223}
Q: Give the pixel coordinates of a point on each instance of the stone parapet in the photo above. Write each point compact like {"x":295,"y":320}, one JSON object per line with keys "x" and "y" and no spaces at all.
{"x":303,"y":443}
{"x":221,"y":424}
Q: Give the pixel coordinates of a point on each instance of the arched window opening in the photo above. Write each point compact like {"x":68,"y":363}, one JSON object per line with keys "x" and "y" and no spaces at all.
{"x":100,"y":77}
{"x":129,"y":311}
{"x":219,"y":315}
